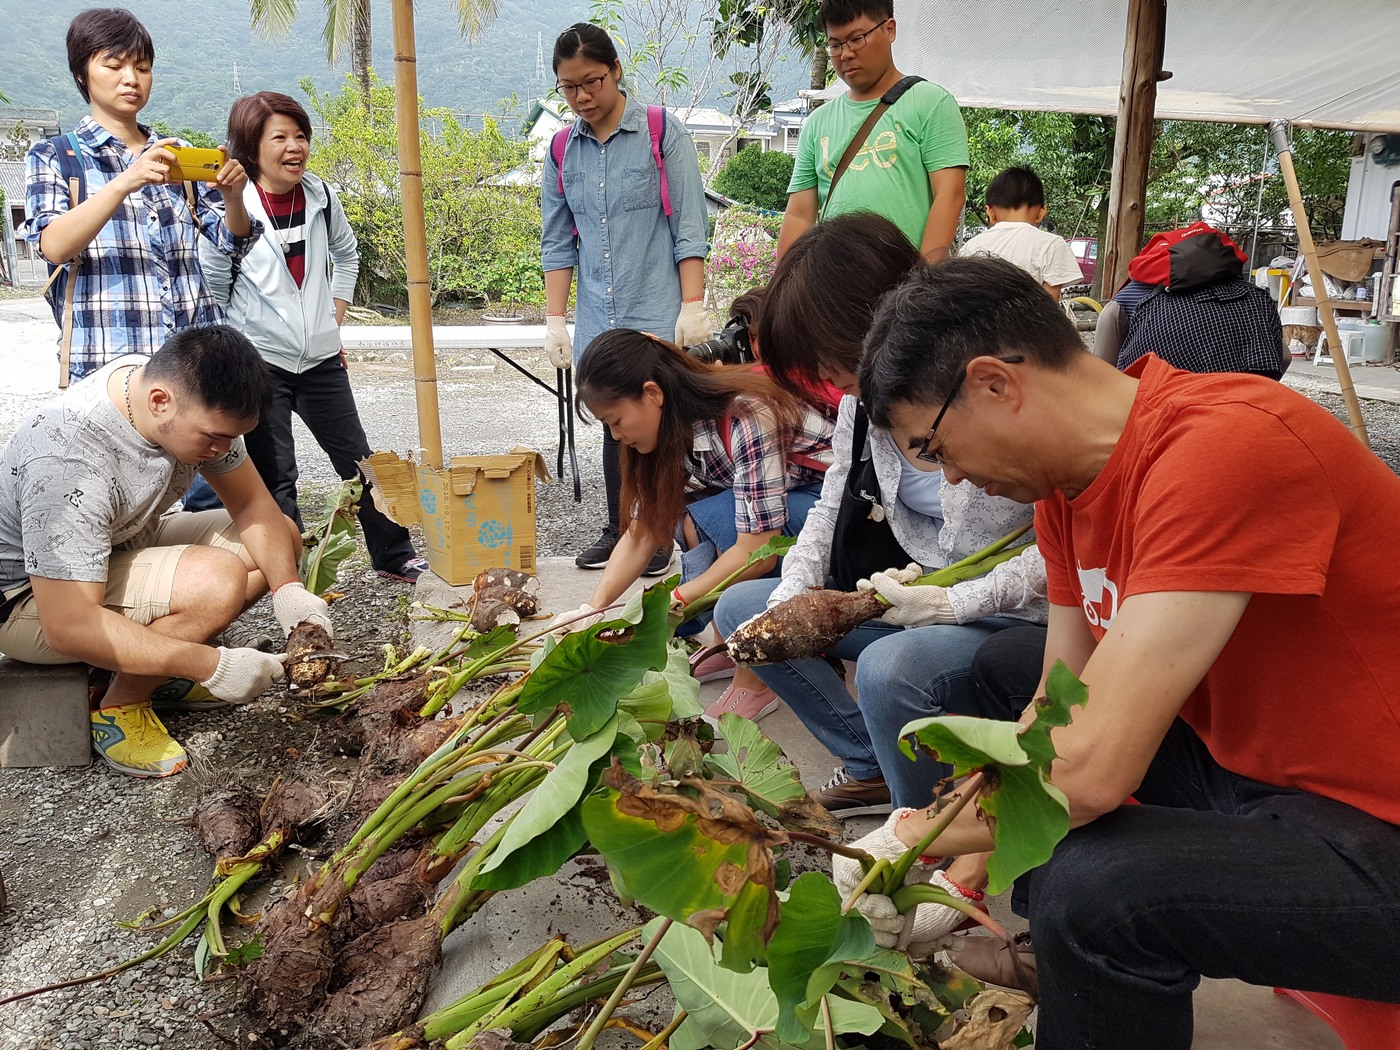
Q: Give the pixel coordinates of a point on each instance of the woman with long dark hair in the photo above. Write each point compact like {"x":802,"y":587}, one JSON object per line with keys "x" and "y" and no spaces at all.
{"x":289,"y":296}
{"x":623,"y":205}
{"x":718,"y":457}
{"x":879,"y":510}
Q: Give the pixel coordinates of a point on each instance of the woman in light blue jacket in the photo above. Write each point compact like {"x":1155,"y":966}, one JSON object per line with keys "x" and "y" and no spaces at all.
{"x":289,"y":296}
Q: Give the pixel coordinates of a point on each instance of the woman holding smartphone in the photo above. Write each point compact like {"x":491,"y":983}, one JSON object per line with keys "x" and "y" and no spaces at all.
{"x":133,"y":236}
{"x":289,"y":296}
{"x":633,"y":227}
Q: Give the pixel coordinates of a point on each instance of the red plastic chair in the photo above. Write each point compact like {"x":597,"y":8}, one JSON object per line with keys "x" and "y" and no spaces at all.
{"x":1361,"y":1023}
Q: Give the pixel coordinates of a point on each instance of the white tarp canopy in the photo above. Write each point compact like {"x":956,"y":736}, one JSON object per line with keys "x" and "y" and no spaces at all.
{"x":1237,"y":61}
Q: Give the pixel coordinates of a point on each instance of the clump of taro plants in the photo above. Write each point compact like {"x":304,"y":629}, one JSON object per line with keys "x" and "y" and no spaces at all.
{"x":592,"y":698}
{"x":810,"y":623}
{"x":749,"y":955}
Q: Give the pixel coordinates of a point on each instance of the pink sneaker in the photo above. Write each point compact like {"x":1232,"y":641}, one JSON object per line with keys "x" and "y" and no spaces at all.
{"x":743,"y":702}
{"x":711,"y":663}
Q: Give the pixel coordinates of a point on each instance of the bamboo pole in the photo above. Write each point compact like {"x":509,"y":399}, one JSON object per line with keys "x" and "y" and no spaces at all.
{"x":1279,"y":129}
{"x":1143,"y":45}
{"x":420,"y":300}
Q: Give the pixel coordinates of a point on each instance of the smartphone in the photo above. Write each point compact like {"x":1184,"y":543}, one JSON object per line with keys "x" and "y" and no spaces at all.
{"x":194,"y":163}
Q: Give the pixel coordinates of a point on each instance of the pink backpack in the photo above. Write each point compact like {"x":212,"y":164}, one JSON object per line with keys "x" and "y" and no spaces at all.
{"x":656,"y":125}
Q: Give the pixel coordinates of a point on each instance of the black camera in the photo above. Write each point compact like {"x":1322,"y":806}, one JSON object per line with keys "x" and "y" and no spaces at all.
{"x":729,"y":347}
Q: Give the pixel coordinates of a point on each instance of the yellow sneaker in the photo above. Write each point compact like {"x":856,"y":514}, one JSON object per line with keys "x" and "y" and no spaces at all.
{"x":182,"y":694}
{"x":132,"y":740}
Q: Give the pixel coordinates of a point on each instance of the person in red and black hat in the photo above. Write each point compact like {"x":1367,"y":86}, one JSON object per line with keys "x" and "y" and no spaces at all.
{"x":1187,"y":301}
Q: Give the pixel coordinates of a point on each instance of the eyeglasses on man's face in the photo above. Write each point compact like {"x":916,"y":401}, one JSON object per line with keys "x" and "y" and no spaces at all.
{"x":854,"y":42}
{"x":927,"y":452}
{"x":589,"y":87}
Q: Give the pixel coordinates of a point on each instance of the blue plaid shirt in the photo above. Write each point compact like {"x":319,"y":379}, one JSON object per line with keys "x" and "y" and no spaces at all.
{"x":627,"y":251}
{"x":139,"y":280}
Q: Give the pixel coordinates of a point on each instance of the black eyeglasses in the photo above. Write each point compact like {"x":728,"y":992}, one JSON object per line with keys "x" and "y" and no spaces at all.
{"x":937,"y":456}
{"x":591,"y":85}
{"x":854,"y":42}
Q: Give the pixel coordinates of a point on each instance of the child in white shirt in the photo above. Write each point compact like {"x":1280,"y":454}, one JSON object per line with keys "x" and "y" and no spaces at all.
{"x":1015,"y":202}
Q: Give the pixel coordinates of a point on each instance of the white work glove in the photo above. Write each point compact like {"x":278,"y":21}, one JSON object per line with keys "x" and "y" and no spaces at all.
{"x":293,"y":604}
{"x":908,"y":574}
{"x":693,"y":324}
{"x":911,"y":606}
{"x":244,"y":673}
{"x":932,"y":922}
{"x":580,"y":619}
{"x":557,"y":343}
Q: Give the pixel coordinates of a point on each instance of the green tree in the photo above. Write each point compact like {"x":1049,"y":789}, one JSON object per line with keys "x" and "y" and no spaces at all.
{"x":758,"y":177}
{"x":474,"y":218}
{"x":201,"y":139}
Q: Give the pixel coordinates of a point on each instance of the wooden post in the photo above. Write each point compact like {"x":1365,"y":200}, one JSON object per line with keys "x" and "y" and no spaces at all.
{"x":1132,"y":141}
{"x":415,"y":241}
{"x":1279,"y":129}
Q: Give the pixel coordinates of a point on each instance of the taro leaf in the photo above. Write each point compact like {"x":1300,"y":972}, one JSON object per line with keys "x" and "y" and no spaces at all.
{"x":555,"y":796}
{"x":1062,"y":691}
{"x":810,"y":948}
{"x":333,"y":541}
{"x":726,"y":1010}
{"x":543,"y":855}
{"x":905,"y":997}
{"x":685,"y":757}
{"x":547,"y":645}
{"x":685,"y":690}
{"x":966,"y":743}
{"x":590,"y":670}
{"x":1028,"y":815}
{"x":498,"y":638}
{"x":699,"y":858}
{"x":767,"y":778}
{"x":204,"y":960}
{"x":632,"y":748}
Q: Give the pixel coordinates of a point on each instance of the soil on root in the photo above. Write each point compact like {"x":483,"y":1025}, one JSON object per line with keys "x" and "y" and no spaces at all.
{"x":398,"y":890}
{"x":392,"y":704}
{"x":227,"y":823}
{"x":297,"y":808}
{"x":804,"y":626}
{"x":406,"y":751}
{"x":294,"y":970}
{"x":381,"y":982}
{"x":308,"y":637}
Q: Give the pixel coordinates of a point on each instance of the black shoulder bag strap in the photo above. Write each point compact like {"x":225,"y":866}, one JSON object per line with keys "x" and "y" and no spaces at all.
{"x":862,"y":541}
{"x":858,"y":140}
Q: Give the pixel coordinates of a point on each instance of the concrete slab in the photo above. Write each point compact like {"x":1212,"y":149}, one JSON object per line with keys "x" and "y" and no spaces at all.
{"x":43,"y":715}
{"x":579,"y":901}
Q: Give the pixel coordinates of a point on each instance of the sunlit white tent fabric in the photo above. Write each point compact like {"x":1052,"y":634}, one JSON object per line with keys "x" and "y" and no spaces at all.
{"x":1334,"y":64}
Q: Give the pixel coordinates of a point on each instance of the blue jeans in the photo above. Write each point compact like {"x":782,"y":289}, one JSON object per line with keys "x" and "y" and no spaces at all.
{"x":901,"y":674}
{"x":1214,"y":875}
{"x":715,"y":528}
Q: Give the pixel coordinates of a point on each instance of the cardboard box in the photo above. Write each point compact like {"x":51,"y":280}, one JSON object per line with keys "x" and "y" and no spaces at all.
{"x":477,"y":512}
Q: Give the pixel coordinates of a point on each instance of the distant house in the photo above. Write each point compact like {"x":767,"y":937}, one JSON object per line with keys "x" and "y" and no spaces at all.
{"x":31,"y":125}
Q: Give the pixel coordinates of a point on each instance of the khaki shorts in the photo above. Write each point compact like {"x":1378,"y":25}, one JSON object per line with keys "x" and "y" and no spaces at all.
{"x":139,"y":582}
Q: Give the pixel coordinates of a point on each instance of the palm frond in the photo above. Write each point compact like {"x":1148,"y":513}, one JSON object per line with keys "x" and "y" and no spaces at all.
{"x":340,"y":27}
{"x":272,"y":18}
{"x":474,"y":15}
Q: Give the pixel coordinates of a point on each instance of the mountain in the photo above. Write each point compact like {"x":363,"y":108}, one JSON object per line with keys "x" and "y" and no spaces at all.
{"x":207,"y":55}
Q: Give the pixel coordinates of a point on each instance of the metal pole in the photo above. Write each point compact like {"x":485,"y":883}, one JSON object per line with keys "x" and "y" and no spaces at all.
{"x":415,"y":241}
{"x":1259,"y":202}
{"x":1279,"y":130}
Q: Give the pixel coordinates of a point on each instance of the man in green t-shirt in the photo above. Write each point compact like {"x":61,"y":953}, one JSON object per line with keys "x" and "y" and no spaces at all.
{"x":912,"y":167}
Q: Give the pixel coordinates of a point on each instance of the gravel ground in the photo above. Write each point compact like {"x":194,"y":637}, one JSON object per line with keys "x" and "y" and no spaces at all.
{"x":84,"y":848}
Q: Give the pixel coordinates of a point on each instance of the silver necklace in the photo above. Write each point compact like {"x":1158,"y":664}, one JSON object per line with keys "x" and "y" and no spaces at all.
{"x":284,"y":234}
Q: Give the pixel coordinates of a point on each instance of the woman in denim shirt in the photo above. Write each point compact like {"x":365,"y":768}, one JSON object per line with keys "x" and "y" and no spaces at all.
{"x":637,"y":267}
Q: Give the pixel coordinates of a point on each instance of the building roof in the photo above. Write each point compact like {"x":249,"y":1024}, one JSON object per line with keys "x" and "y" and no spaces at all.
{"x":12,"y":180}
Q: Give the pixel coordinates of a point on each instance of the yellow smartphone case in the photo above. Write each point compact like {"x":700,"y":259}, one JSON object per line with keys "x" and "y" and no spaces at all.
{"x":193,"y":162}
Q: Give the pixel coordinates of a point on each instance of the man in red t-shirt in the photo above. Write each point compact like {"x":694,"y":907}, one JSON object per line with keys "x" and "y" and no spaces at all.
{"x":1220,"y":575}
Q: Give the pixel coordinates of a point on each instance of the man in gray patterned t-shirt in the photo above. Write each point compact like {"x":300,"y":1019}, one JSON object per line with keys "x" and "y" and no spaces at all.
{"x":93,"y":569}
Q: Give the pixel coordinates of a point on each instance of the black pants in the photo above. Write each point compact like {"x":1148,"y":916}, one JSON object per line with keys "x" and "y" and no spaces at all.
{"x":612,"y":475}
{"x":1214,"y":875}
{"x":321,"y":396}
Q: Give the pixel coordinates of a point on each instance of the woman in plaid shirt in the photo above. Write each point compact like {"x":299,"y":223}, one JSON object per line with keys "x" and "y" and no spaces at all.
{"x":133,"y":236}
{"x":718,"y":456}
